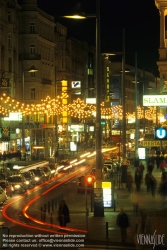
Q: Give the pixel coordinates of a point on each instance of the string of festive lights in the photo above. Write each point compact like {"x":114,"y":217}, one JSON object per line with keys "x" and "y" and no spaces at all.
{"x":78,"y":108}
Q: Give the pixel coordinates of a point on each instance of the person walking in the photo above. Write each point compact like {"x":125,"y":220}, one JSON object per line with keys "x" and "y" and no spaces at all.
{"x":163,"y":166}
{"x":158,"y":160}
{"x":122,"y":221}
{"x":141,"y":167}
{"x":63,"y":214}
{"x":135,"y":201}
{"x":138,"y":178}
{"x":124,"y":173}
{"x":147,"y":181}
{"x":129,"y":181}
{"x":150,"y":167}
{"x":153,"y":184}
{"x":163,"y":187}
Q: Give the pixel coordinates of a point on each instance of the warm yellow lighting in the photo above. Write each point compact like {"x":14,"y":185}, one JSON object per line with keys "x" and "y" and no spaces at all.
{"x":75,"y":17}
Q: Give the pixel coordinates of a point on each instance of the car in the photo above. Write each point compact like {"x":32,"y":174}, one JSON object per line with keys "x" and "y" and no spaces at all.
{"x":53,"y":169}
{"x":93,"y":171}
{"x":108,"y":170}
{"x":4,"y":172}
{"x":30,"y":178}
{"x":39,"y":175}
{"x":7,"y":187}
{"x":3,"y":196}
{"x":47,"y":172}
{"x":18,"y":183}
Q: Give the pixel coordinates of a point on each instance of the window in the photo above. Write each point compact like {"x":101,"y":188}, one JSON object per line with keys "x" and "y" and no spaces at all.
{"x":32,"y":27}
{"x":9,"y":16}
{"x":32,"y":74}
{"x":32,"y":49}
{"x":10,"y":64}
{"x":9,"y":39}
{"x":33,"y":93}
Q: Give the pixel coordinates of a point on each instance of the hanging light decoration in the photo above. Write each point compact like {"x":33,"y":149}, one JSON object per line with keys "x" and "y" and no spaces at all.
{"x":76,"y":109}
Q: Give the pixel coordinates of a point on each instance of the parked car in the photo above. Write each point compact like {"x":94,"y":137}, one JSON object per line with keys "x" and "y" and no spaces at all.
{"x":7,"y":187}
{"x":3,"y":197}
{"x":18,"y":182}
{"x":39,"y":175}
{"x":47,"y":172}
{"x":53,"y":169}
{"x":92,"y":172}
{"x":30,"y":178}
{"x":4,"y":172}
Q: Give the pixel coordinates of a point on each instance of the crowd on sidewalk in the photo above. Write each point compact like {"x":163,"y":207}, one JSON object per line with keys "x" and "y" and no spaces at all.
{"x":132,"y":181}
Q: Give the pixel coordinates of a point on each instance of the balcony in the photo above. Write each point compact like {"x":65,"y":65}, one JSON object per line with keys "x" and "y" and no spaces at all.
{"x":30,"y":57}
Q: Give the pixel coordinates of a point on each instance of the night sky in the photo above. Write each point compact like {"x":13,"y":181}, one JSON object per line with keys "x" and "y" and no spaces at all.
{"x":139,"y":18}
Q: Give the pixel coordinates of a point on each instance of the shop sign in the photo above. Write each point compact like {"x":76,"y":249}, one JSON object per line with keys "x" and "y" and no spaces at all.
{"x":75,"y":84}
{"x":153,"y":143}
{"x":155,"y":100}
{"x":76,"y":127}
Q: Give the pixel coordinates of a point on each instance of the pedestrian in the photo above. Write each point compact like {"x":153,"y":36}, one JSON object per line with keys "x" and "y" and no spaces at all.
{"x":135,"y":201}
{"x":129,"y":181}
{"x":153,"y":184}
{"x":150,"y":167}
{"x":157,"y":160}
{"x":122,"y":221}
{"x":147,"y":181}
{"x":141,"y":223}
{"x":163,"y":187}
{"x":124,"y":173}
{"x":63,"y":214}
{"x":141,"y":167}
{"x":138,"y":178}
{"x":151,"y":159}
{"x":163,"y":166}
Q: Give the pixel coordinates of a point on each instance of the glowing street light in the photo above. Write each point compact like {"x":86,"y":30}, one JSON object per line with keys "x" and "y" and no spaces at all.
{"x":98,"y":206}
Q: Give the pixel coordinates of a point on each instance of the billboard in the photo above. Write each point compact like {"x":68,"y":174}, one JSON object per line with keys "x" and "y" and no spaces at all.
{"x":75,"y":84}
{"x":155,"y":100}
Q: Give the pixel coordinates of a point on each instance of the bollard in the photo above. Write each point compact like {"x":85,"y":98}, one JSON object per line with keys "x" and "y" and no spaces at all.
{"x":51,"y":219}
{"x":45,"y":206}
{"x":41,"y":213}
{"x":48,"y":206}
{"x":55,"y":202}
{"x":44,"y":215}
{"x":119,"y":181}
{"x":106,"y":230}
{"x":53,"y":205}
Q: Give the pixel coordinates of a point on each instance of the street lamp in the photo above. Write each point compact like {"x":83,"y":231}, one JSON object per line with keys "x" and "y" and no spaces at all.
{"x":23,"y":155}
{"x":98,"y":202}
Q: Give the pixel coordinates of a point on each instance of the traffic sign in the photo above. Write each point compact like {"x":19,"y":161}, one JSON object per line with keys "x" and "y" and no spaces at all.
{"x":153,"y":143}
{"x":149,"y":137}
{"x":160,"y":133}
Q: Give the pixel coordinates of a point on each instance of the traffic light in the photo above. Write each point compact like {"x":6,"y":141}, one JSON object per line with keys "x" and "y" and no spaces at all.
{"x":89,"y":179}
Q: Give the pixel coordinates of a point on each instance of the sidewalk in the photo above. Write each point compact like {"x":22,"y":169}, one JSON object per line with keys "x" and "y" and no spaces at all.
{"x":103,"y":230}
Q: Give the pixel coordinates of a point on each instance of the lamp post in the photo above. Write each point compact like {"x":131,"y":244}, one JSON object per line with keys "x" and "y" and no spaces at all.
{"x":98,"y":201}
{"x":23,"y":151}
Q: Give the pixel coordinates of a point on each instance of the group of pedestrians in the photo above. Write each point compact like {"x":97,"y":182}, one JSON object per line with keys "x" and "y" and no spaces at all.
{"x":139,"y":178}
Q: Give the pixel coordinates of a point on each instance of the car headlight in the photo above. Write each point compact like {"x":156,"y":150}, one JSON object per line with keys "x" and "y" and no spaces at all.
{"x":27,"y":182}
{"x":17,"y":186}
{"x":37,"y":178}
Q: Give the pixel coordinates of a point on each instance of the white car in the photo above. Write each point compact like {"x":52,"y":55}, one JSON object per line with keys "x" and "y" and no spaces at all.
{"x":3,"y":197}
